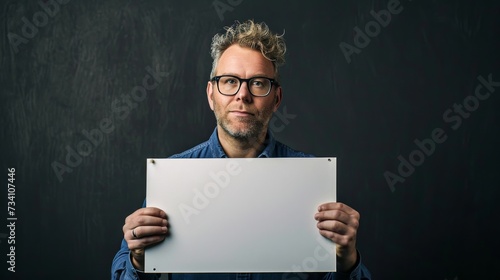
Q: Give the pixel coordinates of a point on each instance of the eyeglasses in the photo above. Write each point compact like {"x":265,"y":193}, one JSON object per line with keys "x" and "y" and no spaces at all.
{"x":230,"y":85}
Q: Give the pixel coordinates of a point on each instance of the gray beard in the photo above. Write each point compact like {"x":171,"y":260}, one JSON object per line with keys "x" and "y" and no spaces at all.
{"x":248,"y":135}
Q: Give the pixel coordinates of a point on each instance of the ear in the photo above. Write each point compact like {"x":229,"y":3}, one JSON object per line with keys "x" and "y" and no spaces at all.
{"x":210,"y":94}
{"x":278,"y":98}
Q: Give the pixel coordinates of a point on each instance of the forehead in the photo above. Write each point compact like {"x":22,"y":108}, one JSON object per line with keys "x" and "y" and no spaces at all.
{"x":244,"y":62}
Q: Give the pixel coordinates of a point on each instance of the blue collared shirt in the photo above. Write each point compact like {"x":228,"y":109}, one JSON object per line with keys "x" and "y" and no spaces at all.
{"x":122,"y":267}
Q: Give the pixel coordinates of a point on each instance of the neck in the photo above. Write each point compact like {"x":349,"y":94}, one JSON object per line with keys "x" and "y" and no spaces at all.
{"x":241,"y":148}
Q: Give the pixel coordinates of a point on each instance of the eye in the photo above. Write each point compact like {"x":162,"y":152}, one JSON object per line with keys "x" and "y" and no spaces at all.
{"x":230,"y":81}
{"x":258,"y":82}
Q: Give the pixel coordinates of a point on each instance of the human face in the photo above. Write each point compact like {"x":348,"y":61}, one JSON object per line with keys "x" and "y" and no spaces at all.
{"x":243,"y":116}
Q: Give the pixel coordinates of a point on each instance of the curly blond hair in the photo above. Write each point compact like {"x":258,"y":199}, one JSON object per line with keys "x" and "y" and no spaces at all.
{"x":252,"y":35}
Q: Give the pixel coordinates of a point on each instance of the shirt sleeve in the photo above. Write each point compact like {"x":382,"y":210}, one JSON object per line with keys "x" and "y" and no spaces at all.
{"x":360,"y":272}
{"x":122,"y":268}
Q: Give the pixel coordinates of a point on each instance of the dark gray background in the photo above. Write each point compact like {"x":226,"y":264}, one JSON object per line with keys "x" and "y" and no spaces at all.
{"x":438,"y":224}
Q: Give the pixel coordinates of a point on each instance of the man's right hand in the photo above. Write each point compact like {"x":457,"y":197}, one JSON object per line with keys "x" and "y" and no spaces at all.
{"x":143,"y":228}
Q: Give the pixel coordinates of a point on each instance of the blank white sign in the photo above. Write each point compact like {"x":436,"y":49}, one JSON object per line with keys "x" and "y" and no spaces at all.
{"x":241,"y":215}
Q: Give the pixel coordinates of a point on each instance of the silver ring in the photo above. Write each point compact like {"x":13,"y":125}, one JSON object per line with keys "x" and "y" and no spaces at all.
{"x":133,"y":233}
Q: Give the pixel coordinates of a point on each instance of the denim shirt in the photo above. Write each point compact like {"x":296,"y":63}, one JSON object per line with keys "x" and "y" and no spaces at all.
{"x":122,"y":267}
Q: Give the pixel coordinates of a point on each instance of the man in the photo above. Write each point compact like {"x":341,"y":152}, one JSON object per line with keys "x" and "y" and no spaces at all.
{"x":243,"y":92}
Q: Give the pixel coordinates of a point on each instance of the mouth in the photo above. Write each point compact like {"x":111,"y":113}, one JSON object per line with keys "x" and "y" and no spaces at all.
{"x":241,"y":113}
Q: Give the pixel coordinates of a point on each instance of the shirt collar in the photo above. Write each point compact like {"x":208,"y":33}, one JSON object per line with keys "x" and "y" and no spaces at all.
{"x":218,"y":152}
{"x":215,"y":146}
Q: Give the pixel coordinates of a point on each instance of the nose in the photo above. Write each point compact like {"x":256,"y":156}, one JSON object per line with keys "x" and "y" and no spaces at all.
{"x":244,"y":93}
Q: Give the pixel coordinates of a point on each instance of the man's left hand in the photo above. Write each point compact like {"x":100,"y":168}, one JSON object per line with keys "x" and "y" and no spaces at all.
{"x":339,"y":223}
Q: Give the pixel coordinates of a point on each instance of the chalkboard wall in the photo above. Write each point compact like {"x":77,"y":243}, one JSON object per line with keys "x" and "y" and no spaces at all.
{"x":404,"y":93}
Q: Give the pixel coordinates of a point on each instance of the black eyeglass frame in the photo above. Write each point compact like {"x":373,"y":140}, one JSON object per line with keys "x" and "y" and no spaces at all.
{"x":272,"y":81}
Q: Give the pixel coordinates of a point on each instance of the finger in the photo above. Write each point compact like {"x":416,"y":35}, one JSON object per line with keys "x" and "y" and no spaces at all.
{"x":144,"y":242}
{"x":143,"y":220}
{"x":145,"y":231}
{"x":339,"y":239}
{"x":336,"y":206}
{"x":149,"y":221}
{"x":336,"y":227}
{"x":333,"y":215}
{"x":148,"y":211}
{"x":153,"y":211}
{"x":339,"y":207}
